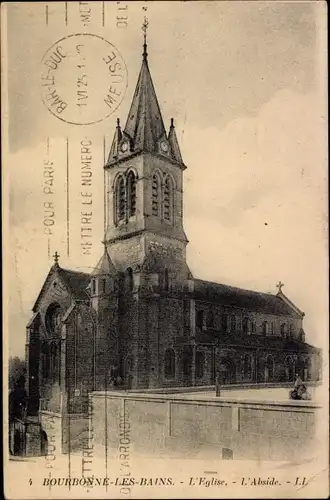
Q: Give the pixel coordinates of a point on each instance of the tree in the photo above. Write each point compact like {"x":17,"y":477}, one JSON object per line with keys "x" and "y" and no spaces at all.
{"x":16,"y":368}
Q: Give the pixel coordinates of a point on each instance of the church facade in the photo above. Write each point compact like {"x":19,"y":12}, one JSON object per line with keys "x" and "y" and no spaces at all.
{"x":141,"y":318}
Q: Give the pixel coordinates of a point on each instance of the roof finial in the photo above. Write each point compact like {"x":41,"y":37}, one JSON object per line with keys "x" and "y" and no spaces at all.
{"x":118,"y":122}
{"x":172,"y":122}
{"x":280,"y":285}
{"x":56,"y":257}
{"x":144,"y":29}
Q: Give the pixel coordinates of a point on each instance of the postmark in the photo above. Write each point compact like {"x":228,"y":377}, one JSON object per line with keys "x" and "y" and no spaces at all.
{"x":83,"y":79}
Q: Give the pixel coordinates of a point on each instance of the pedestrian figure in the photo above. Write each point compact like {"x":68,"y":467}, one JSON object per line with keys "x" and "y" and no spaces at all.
{"x":299,"y":391}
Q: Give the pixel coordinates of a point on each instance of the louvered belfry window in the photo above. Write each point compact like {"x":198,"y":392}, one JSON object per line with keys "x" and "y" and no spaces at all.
{"x":155,"y":195}
{"x":168,"y":196}
{"x":131,"y":194}
{"x":120,"y":199}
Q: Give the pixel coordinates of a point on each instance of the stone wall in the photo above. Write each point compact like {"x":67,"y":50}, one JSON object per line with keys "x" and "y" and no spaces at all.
{"x":193,"y":425}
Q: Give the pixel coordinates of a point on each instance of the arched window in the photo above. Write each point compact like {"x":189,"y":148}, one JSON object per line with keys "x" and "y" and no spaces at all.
{"x":155,"y":196}
{"x":128,"y":365}
{"x":224,"y":322}
{"x":120,"y":199}
{"x":131,"y":194}
{"x":166,"y":280}
{"x":129,"y":279}
{"x":246,"y":326}
{"x":210,"y":319}
{"x":269,"y":368}
{"x":169,"y":363}
{"x":233,"y":324}
{"x":291,"y":330}
{"x":168,"y":199}
{"x":272,"y":328}
{"x":247,"y":366}
{"x":200,"y":362}
{"x":265,"y":328}
{"x":200,"y":318}
{"x":289,"y":368}
{"x":253,"y":326}
{"x":53,"y":318}
{"x":103,"y":285}
{"x":186,"y":362}
{"x":284,"y":330}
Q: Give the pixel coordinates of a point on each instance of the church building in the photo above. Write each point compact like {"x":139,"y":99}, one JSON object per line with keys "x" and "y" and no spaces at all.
{"x":141,"y":319}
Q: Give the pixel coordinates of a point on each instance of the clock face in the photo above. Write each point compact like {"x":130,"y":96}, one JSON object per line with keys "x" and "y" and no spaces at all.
{"x":124,"y":147}
{"x":164,"y":146}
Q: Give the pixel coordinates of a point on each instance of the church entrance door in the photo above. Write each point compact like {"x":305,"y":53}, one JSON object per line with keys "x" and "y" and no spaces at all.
{"x":226,"y":370}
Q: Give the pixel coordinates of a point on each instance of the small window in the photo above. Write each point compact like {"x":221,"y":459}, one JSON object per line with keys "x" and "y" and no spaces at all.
{"x":291,"y":330}
{"x":166,"y":280}
{"x":253,"y":327}
{"x":233,"y":324}
{"x":93,"y":287}
{"x":169,"y":363}
{"x":200,"y":318}
{"x":265,"y":328}
{"x":200,"y":362}
{"x":273,"y":330}
{"x":224,"y":322}
{"x":103,"y":285}
{"x":129,"y":279}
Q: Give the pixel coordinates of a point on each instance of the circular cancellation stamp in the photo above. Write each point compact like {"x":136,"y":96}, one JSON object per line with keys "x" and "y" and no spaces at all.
{"x":83,"y":79}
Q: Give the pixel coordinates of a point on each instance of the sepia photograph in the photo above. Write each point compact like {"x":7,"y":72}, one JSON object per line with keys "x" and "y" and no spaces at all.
{"x":165,"y":249}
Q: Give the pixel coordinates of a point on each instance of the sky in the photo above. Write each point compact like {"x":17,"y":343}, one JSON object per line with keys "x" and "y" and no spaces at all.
{"x":246,"y":85}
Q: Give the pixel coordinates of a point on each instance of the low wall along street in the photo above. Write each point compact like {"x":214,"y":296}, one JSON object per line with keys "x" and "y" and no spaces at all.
{"x":178,"y":424}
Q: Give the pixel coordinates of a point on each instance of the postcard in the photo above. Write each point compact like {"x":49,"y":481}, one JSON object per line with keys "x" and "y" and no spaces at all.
{"x":165,"y":249}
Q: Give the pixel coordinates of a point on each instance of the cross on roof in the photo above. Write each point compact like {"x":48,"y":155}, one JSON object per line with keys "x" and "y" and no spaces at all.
{"x":56,"y":257}
{"x":280,"y":285}
{"x":145,"y":27}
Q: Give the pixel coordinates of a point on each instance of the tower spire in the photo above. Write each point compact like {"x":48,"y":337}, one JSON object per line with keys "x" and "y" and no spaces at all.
{"x":144,"y":130}
{"x":144,"y":29}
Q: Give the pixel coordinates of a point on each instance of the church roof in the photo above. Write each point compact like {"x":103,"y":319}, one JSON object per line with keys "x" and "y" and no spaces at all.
{"x":242,"y":299}
{"x":76,"y":281}
{"x":255,"y":341}
{"x":104,"y":266}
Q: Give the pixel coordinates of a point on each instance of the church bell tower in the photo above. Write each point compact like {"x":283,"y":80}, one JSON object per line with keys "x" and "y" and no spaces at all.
{"x":144,"y":194}
{"x":145,"y":238}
